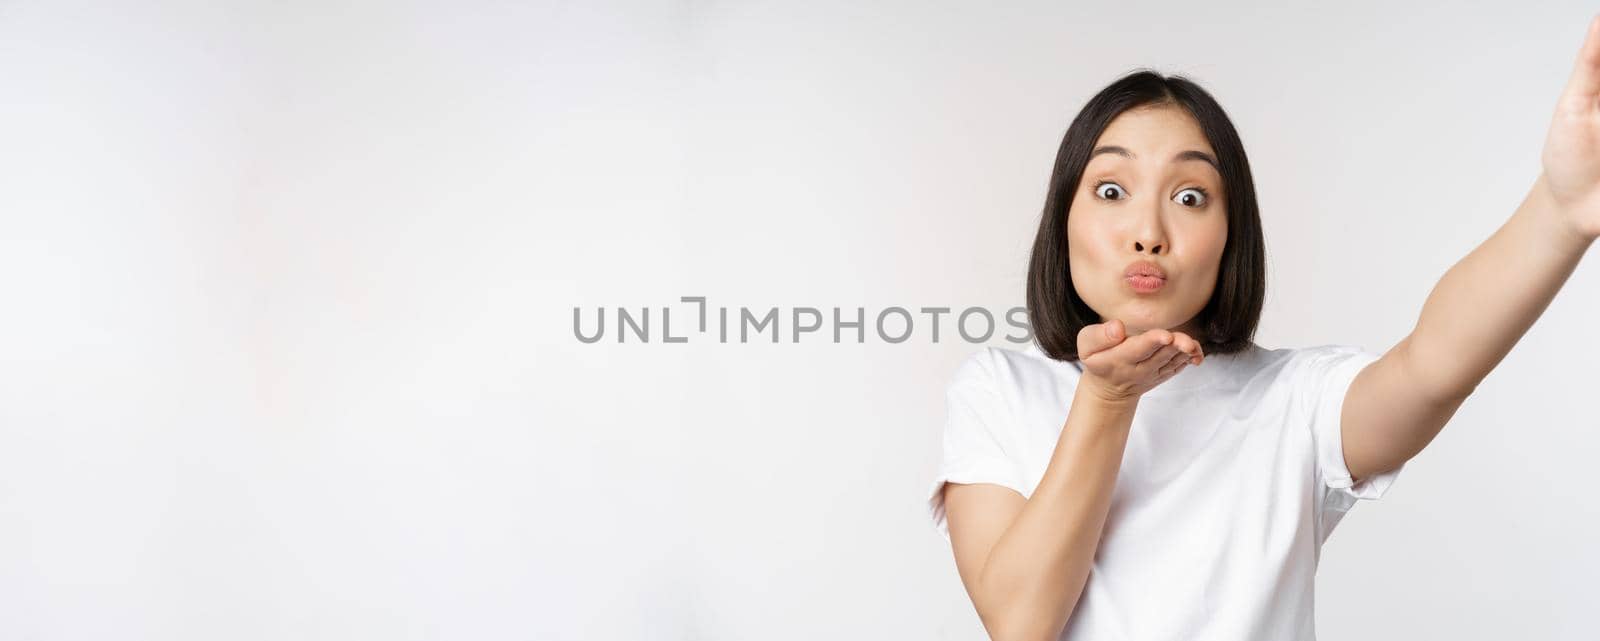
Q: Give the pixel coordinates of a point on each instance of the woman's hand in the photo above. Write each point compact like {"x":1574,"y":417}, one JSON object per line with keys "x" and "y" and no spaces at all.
{"x":1571,"y":155}
{"x":1120,"y":369}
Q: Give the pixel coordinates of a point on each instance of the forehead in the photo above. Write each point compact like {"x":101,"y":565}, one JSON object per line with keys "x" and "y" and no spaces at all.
{"x":1153,"y":133}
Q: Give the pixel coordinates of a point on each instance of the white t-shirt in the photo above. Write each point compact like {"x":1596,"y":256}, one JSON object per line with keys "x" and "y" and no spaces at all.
{"x":1233,"y":477}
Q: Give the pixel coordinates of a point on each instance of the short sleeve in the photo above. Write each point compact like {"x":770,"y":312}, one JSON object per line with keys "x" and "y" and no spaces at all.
{"x":975,"y":442}
{"x":1325,"y":379}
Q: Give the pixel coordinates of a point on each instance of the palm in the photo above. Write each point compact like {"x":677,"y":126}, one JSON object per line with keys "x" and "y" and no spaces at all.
{"x":1571,"y":155}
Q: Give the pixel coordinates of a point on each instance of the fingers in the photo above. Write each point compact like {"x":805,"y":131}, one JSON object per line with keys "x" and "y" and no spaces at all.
{"x":1583,"y":86}
{"x":1140,"y":361}
{"x":1150,"y":350}
{"x":1182,"y":351}
{"x":1190,"y":347}
{"x":1165,"y":358}
{"x":1099,"y":337}
{"x":1150,"y":344}
{"x":1178,"y":362}
{"x":1162,"y":358}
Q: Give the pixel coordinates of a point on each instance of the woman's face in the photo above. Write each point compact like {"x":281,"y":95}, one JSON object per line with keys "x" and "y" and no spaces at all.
{"x":1151,"y":192}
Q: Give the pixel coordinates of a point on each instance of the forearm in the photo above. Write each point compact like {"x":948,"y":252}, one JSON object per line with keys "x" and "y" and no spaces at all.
{"x":1487,"y":301}
{"x":1037,"y":569}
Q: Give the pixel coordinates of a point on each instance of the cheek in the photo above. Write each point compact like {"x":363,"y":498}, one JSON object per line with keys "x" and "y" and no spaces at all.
{"x":1083,"y":250}
{"x":1208,"y":253}
{"x":1085,"y":238}
{"x":1219,"y":241}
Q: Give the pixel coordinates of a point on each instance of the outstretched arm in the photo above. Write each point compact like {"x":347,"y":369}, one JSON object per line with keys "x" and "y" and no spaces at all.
{"x":1487,"y":301}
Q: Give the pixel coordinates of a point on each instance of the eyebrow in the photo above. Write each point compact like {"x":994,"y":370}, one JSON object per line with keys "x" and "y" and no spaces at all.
{"x":1189,"y":154}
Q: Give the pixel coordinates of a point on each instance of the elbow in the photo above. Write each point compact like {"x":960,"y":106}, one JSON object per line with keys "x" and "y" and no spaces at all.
{"x":1023,"y":632}
{"x":1017,"y":620}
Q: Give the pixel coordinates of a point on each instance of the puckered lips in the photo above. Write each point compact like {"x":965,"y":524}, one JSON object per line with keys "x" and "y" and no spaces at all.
{"x":1144,"y":277}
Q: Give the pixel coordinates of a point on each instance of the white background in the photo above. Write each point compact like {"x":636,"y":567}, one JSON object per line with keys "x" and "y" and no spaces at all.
{"x":286,"y":344}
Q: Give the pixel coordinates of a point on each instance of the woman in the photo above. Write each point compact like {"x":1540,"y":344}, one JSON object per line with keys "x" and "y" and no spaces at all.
{"x":1144,"y":470}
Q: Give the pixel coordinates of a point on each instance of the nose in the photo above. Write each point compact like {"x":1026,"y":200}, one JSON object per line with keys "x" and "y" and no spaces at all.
{"x":1150,"y":237}
{"x":1149,"y":234}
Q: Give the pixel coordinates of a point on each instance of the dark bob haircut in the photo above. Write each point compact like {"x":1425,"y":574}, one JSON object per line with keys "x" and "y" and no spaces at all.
{"x":1229,"y":319}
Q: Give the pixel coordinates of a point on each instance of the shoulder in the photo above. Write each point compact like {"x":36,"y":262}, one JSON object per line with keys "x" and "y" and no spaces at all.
{"x":1319,"y":375}
{"x":1309,"y":362}
{"x":1260,"y":372}
{"x":1289,"y":361}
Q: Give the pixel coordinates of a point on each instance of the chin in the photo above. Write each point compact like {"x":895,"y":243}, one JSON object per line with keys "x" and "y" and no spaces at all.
{"x":1138,"y":324}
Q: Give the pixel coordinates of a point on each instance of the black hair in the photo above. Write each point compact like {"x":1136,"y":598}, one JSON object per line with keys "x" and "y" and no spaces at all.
{"x":1228,"y":321}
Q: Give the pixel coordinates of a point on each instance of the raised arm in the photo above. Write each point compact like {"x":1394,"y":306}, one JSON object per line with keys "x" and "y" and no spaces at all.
{"x":1487,"y":301}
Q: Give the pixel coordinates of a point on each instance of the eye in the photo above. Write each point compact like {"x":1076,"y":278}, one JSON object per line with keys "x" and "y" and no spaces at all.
{"x":1108,"y":190}
{"x":1192,"y":197}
